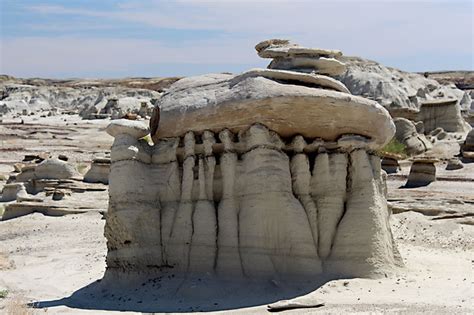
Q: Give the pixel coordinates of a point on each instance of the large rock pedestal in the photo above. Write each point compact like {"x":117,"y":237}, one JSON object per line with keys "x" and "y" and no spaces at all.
{"x":248,"y":205}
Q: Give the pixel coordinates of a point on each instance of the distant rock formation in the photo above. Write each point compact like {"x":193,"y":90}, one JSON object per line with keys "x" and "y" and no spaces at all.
{"x":407,"y":134}
{"x":87,"y":98}
{"x":408,"y":95}
{"x":264,"y":175}
{"x":46,"y":187}
{"x":468,"y":146}
{"x":422,"y":173}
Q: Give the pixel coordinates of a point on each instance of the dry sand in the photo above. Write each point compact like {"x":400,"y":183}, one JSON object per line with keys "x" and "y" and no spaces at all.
{"x":48,"y":259}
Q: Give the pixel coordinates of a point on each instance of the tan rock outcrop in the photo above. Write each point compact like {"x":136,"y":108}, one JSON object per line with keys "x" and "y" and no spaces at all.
{"x":442,"y":113}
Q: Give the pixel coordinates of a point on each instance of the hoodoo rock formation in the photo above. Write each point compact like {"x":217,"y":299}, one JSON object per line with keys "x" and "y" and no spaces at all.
{"x":263,"y":175}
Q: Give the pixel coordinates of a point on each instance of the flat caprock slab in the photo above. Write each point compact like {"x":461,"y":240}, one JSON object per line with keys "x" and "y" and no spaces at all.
{"x":221,"y":101}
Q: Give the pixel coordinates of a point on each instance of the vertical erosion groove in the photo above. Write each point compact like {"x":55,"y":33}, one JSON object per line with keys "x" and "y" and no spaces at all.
{"x":254,"y":208}
{"x":328,"y":189}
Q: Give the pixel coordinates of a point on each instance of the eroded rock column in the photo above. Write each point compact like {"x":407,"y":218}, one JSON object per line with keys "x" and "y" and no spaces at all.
{"x":274,"y":232}
{"x":228,"y":260}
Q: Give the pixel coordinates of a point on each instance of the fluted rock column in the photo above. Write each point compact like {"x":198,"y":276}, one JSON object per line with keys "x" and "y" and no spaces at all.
{"x":363,"y":245}
{"x":275,"y":236}
{"x":204,"y":237}
{"x":228,"y":259}
{"x":133,"y":219}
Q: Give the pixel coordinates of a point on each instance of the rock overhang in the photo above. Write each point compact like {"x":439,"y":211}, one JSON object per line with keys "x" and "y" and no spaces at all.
{"x":280,"y":100}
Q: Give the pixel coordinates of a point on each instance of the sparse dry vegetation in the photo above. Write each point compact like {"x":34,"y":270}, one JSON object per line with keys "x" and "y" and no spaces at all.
{"x":3,"y":293}
{"x":82,"y":168}
{"x":394,"y":146}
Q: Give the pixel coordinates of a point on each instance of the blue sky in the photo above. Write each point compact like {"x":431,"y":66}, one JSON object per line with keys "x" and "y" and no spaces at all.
{"x":112,"y":38}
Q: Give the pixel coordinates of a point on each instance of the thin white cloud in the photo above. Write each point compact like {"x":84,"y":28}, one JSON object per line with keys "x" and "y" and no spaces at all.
{"x":371,"y":29}
{"x":384,"y":27}
{"x":69,"y":55}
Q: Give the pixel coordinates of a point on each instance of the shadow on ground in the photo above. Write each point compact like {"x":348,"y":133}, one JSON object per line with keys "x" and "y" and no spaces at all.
{"x":168,"y":293}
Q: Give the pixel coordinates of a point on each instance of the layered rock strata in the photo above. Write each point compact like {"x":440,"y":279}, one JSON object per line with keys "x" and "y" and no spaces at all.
{"x":251,"y":204}
{"x":264,"y":175}
{"x":289,"y":56}
{"x":390,"y":165}
{"x":422,"y":173}
{"x":442,"y":114}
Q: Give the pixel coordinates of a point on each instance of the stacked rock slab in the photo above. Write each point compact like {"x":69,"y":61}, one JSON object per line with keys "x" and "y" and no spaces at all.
{"x":268,"y":174}
{"x":288,"y":56}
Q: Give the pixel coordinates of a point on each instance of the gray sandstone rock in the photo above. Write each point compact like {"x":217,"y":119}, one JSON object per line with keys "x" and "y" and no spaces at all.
{"x":216,"y":102}
{"x":390,"y":165}
{"x":454,"y":164}
{"x":422,"y":173}
{"x":265,"y":175}
{"x":407,"y":134}
{"x":98,"y":172}
{"x":128,"y":127}
{"x":55,"y":169}
{"x":408,"y":95}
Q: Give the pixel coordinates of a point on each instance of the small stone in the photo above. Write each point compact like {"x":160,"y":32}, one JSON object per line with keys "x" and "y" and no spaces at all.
{"x":63,"y":157}
{"x":124,"y":126}
{"x":454,"y":164}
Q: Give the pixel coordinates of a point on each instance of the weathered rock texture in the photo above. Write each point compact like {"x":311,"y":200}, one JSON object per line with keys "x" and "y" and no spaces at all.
{"x":454,"y":164}
{"x":468,"y":146}
{"x":268,"y":174}
{"x":408,"y":95}
{"x":407,"y":133}
{"x":48,"y":169}
{"x":390,"y":165}
{"x":288,"y":107}
{"x":116,"y":108}
{"x":88,"y":97}
{"x":422,"y":173}
{"x":99,"y":171}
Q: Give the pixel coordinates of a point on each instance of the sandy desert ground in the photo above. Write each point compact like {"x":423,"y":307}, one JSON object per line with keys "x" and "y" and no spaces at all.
{"x":57,"y":263}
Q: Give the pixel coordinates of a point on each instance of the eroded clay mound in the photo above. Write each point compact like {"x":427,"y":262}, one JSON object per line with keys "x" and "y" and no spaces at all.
{"x":247,"y":206}
{"x":408,"y":95}
{"x":288,"y":104}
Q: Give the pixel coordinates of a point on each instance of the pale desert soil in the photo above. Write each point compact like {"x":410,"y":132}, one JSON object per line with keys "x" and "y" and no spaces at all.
{"x":47,"y":259}
{"x":57,"y":263}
